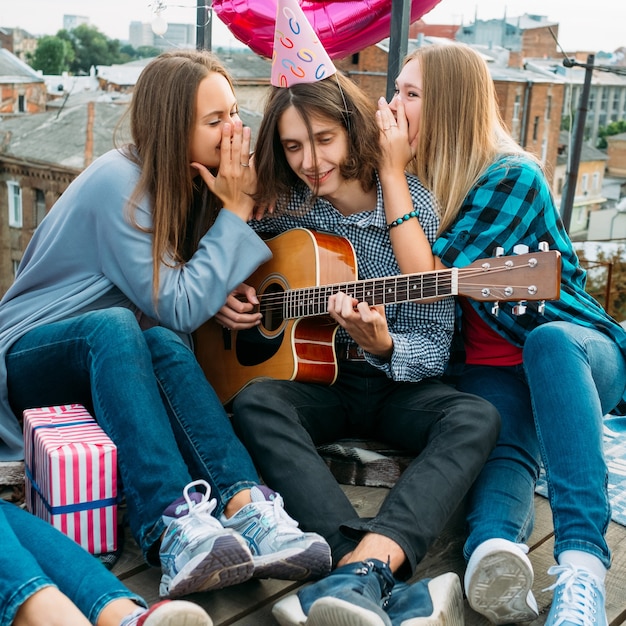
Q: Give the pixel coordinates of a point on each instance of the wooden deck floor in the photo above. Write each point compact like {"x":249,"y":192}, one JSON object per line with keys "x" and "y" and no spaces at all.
{"x":250,"y":604}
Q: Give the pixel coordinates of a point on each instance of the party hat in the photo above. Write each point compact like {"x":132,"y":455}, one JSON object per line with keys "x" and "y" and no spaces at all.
{"x":299,"y":56}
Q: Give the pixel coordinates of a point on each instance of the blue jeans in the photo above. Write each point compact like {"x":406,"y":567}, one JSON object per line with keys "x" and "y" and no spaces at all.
{"x":148,"y":393}
{"x":35,"y":555}
{"x":552,"y":411}
{"x":450,"y":433}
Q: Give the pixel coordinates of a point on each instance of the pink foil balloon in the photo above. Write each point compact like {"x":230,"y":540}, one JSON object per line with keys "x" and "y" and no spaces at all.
{"x":344,"y":26}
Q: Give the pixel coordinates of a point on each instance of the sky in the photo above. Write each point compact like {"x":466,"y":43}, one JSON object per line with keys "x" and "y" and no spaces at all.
{"x":590,"y":26}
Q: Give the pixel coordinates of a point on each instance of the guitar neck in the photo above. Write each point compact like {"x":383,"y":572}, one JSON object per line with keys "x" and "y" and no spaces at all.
{"x":313,"y":301}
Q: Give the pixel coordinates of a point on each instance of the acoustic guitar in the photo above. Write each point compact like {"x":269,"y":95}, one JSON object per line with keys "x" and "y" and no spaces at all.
{"x":296,"y":338}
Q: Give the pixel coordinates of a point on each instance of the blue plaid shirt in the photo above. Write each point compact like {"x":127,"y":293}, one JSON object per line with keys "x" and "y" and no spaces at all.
{"x":512,"y":204}
{"x":421,"y":332}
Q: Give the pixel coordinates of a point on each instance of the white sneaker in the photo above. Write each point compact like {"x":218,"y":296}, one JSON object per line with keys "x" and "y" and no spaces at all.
{"x":578,"y":598}
{"x":279,"y":548}
{"x":499,"y":580}
{"x":197,"y":553}
{"x":169,"y":613}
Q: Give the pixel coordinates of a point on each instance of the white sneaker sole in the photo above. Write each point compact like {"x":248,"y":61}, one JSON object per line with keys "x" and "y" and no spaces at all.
{"x":500,"y":585}
{"x":326,"y":611}
{"x":336,"y":612}
{"x":228,"y":563}
{"x":179,"y":613}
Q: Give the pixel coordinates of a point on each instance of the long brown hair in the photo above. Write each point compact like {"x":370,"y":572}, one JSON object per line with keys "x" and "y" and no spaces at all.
{"x":162,"y":116}
{"x":461,"y":132}
{"x":336,"y":98}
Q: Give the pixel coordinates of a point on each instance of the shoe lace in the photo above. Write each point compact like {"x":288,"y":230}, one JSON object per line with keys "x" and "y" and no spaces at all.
{"x":577,"y":600}
{"x":385,"y":576}
{"x":283,"y":523}
{"x":203,"y":508}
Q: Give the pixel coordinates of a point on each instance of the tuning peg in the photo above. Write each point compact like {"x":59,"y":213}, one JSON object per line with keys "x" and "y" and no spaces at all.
{"x":544,"y":246}
{"x":495,"y":309}
{"x":520,"y":248}
{"x":541,"y":307}
{"x":499,"y":251}
{"x":519,"y":308}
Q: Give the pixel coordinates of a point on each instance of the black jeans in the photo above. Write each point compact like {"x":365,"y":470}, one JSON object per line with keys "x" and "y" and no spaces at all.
{"x":451,"y":434}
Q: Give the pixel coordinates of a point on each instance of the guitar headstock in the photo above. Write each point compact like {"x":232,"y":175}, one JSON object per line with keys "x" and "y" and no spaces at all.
{"x":522,"y":277}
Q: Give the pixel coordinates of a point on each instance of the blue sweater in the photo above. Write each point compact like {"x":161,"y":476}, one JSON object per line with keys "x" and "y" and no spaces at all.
{"x":87,"y":255}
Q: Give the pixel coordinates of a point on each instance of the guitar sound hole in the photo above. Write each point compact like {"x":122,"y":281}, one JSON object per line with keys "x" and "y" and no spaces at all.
{"x":254,"y":346}
{"x":271,"y":307}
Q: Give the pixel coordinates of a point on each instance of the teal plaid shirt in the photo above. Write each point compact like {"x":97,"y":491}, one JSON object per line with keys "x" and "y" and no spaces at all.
{"x":511,"y":204}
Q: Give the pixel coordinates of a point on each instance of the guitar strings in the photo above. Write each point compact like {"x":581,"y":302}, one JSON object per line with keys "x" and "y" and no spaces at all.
{"x":309,"y":301}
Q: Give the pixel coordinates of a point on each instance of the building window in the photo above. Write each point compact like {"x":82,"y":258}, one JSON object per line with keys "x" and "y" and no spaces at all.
{"x":536,"y":128}
{"x":516,"y":107}
{"x":584,"y":183}
{"x":595,"y":183}
{"x":604,"y":99}
{"x":548,"y":107}
{"x":21,"y":104}
{"x":39,"y":208}
{"x":16,"y":264}
{"x":15,"y":204}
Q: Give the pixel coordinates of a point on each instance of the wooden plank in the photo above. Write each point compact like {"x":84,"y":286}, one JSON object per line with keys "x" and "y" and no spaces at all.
{"x":250,"y":604}
{"x":11,"y":473}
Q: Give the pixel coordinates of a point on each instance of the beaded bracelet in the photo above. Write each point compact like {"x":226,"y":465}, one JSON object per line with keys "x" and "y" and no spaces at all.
{"x":405,"y":218}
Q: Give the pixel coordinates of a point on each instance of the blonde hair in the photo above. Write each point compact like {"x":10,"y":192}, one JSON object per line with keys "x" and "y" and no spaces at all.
{"x":461,"y":131}
{"x":162,"y":117}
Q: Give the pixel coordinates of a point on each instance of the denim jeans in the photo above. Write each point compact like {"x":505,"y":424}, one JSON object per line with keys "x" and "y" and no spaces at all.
{"x":552,"y":411}
{"x":451,"y":434}
{"x":148,"y":393}
{"x":35,"y":555}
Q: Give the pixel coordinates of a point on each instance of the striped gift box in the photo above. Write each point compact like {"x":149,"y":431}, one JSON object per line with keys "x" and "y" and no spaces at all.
{"x":71,"y":475}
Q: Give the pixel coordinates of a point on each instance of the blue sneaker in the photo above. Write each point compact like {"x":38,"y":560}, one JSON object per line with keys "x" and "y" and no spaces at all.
{"x":429,"y":602}
{"x":279,"y":548}
{"x":578,"y":598}
{"x":352,"y":595}
{"x":197,"y":553}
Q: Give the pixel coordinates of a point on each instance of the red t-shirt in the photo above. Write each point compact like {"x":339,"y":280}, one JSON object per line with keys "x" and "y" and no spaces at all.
{"x":483,"y":345}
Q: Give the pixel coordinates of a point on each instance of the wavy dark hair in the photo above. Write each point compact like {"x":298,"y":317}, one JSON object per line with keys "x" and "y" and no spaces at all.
{"x":335,"y":98}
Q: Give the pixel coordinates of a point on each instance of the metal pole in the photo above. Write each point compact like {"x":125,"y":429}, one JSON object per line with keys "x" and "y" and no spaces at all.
{"x":398,"y":41}
{"x":204,"y":20}
{"x":567,"y":199}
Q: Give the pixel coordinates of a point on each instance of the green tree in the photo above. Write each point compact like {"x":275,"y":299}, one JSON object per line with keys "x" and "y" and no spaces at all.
{"x":614,"y":128}
{"x":142,"y":52}
{"x":91,"y":48}
{"x":53,"y":55}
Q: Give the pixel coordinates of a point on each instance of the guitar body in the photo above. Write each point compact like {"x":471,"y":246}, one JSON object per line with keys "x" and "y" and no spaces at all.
{"x":295,"y":340}
{"x":285,"y":349}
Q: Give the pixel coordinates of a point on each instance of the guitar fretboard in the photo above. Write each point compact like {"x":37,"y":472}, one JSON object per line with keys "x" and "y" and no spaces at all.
{"x":313,"y":301}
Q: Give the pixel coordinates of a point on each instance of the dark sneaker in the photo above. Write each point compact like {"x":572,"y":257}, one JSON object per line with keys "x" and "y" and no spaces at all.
{"x":429,"y":602}
{"x":279,"y":548}
{"x":499,"y":580}
{"x":169,"y":613}
{"x":578,"y":598}
{"x":197,"y":553}
{"x":352,"y":595}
